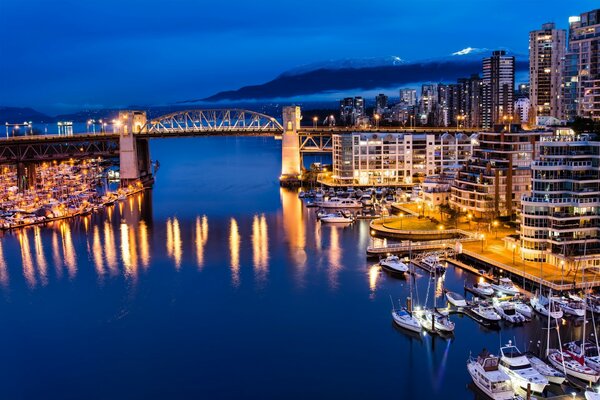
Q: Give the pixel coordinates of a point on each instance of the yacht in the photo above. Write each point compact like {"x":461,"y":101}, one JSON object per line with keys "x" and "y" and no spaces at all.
{"x":406,"y":320}
{"x":508,"y":311}
{"x":489,"y":378}
{"x":589,"y":351}
{"x":432,"y":264}
{"x":520,"y":370}
{"x":440,"y":324}
{"x":483,"y":310}
{"x":337,"y":218}
{"x":522,"y":308}
{"x":366,"y":200}
{"x":570,"y":307}
{"x":545,"y":307}
{"x":456,"y":299}
{"x":336,"y":202}
{"x":505,"y":286}
{"x":482,"y":288}
{"x":552,"y":374}
{"x":393,"y":264}
{"x":573,"y":367}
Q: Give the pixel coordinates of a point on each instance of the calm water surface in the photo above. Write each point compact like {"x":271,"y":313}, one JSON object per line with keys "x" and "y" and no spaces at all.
{"x":217,"y":284}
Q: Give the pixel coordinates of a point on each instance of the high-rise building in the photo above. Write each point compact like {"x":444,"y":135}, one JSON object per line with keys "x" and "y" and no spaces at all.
{"x":560,"y":221}
{"x":581,"y":92}
{"x":408,"y":97}
{"x":351,"y":110}
{"x":546,"y":54}
{"x":492,"y":182}
{"x":381,"y":103}
{"x":427,"y":103}
{"x":498,"y":88}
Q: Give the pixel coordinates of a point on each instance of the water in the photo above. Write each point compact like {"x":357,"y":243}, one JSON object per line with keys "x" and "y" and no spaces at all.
{"x":218,"y":284}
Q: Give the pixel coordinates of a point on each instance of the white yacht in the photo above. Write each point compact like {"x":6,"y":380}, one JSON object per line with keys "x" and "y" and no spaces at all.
{"x":553,"y":375}
{"x":545,"y":307}
{"x":406,"y":320}
{"x":486,"y":312}
{"x":456,"y":299}
{"x":522,"y":308}
{"x":366,"y":200}
{"x":572,"y":307}
{"x":339,"y":218}
{"x":505,"y":286}
{"x":336,"y":202}
{"x":441,"y":323}
{"x":508,"y":311}
{"x":488,"y":378}
{"x":573,"y":367}
{"x":518,"y":367}
{"x":482,"y":288}
{"x":393,"y":263}
{"x":432,"y":264}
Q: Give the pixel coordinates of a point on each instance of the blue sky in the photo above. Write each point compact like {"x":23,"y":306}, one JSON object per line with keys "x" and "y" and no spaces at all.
{"x":64,"y":55}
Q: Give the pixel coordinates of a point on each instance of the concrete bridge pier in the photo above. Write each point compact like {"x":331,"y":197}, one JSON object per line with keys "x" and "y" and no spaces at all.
{"x":134,"y":152}
{"x":26,"y":175}
{"x":290,"y":147}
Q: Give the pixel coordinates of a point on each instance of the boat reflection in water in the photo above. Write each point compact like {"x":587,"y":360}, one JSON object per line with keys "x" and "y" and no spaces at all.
{"x":295,"y":232}
{"x":260,"y":248}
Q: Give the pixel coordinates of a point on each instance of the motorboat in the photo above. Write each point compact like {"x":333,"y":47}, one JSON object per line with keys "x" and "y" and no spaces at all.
{"x":522,"y":374}
{"x":482,"y":288}
{"x":337,"y":218}
{"x":545,"y":307}
{"x":486,"y":375}
{"x":406,"y":320}
{"x":392,"y":263}
{"x":456,"y":299}
{"x":508,"y":311}
{"x":592,"y":304}
{"x":366,"y":200}
{"x":522,"y":308}
{"x":440,"y":324}
{"x":589,"y":351}
{"x":505,"y":286}
{"x":301,"y":194}
{"x":575,"y":308}
{"x":336,"y":202}
{"x":552,"y":374}
{"x":572,"y":366}
{"x":432,"y":264}
{"x":483,"y":310}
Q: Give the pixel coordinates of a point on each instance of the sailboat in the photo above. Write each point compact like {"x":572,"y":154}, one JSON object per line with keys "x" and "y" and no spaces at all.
{"x":431,"y":319}
{"x":404,"y":317}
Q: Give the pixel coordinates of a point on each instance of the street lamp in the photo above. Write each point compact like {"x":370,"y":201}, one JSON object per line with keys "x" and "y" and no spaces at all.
{"x":482,"y":240}
{"x":441,"y":228}
{"x":377,"y":121}
{"x":514,"y":247}
{"x":401,"y":215}
{"x":469,"y":217}
{"x":315,"y":119}
{"x":495,"y":224}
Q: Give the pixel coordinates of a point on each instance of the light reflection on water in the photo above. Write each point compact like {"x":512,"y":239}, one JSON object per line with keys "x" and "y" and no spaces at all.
{"x":234,"y":251}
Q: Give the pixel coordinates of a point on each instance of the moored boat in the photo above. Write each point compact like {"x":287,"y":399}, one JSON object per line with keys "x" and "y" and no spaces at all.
{"x":552,"y":374}
{"x":508,"y":311}
{"x":392,"y":263}
{"x":505,"y":286}
{"x":456,"y":299}
{"x":573,"y":367}
{"x":489,"y":378}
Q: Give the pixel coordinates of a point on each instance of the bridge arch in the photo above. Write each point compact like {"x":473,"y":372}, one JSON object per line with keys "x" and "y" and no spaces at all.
{"x":212,"y":121}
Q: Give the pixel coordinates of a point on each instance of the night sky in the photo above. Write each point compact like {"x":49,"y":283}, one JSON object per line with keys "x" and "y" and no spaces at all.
{"x":65,"y":55}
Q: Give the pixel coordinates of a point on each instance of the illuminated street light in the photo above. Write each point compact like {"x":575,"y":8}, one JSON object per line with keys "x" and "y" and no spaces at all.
{"x":377,"y":116}
{"x":315,"y":119}
{"x":495,"y":224}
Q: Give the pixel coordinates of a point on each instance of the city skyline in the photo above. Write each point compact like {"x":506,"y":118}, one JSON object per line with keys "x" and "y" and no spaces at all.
{"x":72,"y":56}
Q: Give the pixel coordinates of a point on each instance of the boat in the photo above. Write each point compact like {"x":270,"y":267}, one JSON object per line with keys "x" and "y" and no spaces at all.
{"x":432,"y":264}
{"x":393,"y":264}
{"x":434,"y":321}
{"x":301,"y":194}
{"x":571,"y":307}
{"x":482,"y":288}
{"x":573,"y":367}
{"x":337,"y":218}
{"x":406,"y":320}
{"x":483,"y":310}
{"x":545,"y":307}
{"x":522,"y":308}
{"x":366,"y":200}
{"x":552,"y":374}
{"x":592,"y":304}
{"x":456,"y":299}
{"x":588,"y":350}
{"x":517,"y":366}
{"x":336,"y":202}
{"x":489,"y":378}
{"x":592,"y":394}
{"x":508,"y":311}
{"x":505,"y":286}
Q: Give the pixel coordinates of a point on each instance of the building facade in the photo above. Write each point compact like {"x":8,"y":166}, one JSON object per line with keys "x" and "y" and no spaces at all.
{"x":492,"y":182}
{"x":581,"y":83}
{"x":498,"y":86}
{"x":546,"y":55}
{"x":352,"y":110}
{"x":408,"y":97}
{"x":561,"y":216}
{"x":397,"y":158}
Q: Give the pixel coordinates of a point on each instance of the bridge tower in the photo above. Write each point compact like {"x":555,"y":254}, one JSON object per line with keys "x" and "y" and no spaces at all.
{"x":290,"y":146}
{"x":134,"y":152}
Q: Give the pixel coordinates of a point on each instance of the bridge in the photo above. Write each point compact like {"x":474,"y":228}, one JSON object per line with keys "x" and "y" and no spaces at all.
{"x":133,"y":130}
